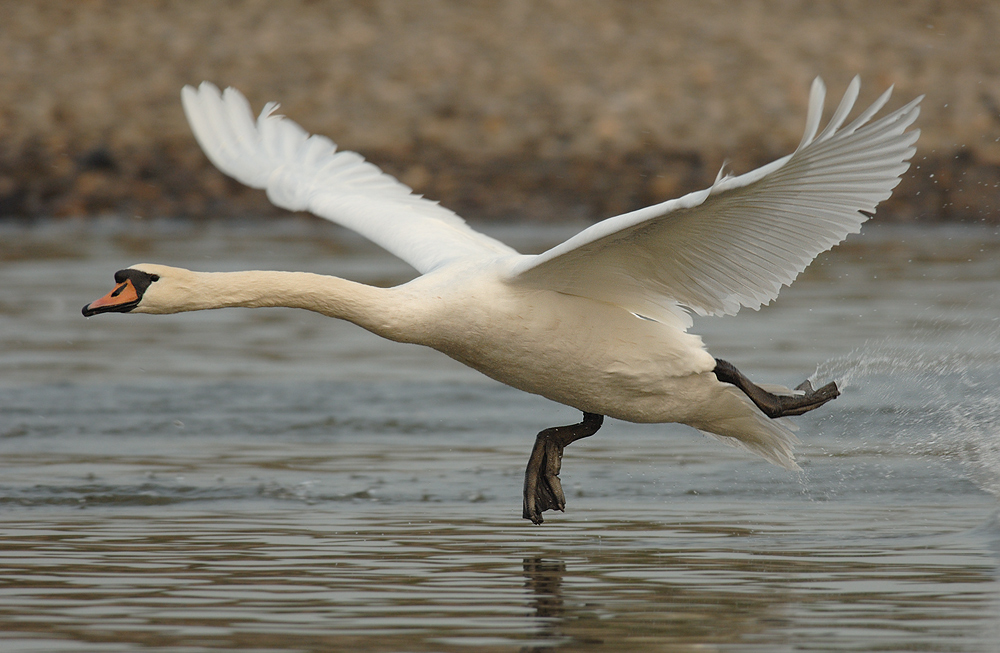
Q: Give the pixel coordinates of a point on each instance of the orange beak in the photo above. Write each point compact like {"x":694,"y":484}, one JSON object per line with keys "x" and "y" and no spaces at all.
{"x":120,"y":300}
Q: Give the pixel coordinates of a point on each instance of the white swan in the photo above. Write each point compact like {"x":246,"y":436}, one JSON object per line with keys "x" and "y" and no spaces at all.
{"x":599,"y":322}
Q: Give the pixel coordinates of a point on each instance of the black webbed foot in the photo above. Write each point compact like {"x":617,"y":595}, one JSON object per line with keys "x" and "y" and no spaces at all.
{"x":811,"y":400}
{"x":774,"y":405}
{"x":542,"y":487}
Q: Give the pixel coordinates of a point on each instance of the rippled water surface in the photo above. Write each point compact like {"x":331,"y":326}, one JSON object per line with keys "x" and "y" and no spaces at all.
{"x":274,"y":480}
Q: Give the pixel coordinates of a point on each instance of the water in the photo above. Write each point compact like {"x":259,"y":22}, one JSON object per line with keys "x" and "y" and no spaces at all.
{"x":274,"y":480}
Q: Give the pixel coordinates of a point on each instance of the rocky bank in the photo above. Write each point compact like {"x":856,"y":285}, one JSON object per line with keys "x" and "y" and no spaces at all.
{"x":540,"y":110}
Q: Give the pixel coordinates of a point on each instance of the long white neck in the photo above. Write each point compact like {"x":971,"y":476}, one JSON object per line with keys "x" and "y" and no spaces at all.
{"x":375,"y":309}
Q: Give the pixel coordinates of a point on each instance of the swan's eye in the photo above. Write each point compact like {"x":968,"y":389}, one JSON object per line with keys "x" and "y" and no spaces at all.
{"x":154,"y":277}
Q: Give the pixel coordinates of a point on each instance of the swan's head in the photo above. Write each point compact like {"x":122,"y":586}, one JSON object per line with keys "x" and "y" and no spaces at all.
{"x":147,"y":288}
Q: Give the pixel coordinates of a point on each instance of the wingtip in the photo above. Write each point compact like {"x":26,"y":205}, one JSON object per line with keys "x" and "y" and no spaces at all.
{"x":817,"y":94}
{"x":188,"y":95}
{"x":191,"y":96}
{"x":854,"y":87}
{"x":842,"y":111}
{"x":203,"y":88}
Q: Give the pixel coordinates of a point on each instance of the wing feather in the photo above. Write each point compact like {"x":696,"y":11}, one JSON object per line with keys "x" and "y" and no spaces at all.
{"x":737,"y":243}
{"x":303,"y":172}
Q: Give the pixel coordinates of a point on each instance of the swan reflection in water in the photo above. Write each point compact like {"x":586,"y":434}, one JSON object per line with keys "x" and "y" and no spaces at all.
{"x":599,"y":322}
{"x":543,"y":578}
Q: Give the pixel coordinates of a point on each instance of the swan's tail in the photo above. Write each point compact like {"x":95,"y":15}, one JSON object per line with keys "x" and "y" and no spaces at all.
{"x":737,"y":422}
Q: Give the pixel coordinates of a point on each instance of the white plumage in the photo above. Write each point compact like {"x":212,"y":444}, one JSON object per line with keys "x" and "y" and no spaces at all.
{"x":712,"y":251}
{"x":306,"y":173}
{"x":598,"y":322}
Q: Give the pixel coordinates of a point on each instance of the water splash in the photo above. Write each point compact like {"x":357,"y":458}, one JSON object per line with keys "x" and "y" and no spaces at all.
{"x":940,"y":401}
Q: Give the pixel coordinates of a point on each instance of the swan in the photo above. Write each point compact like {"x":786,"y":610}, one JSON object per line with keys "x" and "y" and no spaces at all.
{"x":599,"y":322}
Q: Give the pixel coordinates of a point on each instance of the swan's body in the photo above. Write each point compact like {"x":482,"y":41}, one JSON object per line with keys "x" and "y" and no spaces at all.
{"x":598,"y":322}
{"x":575,"y":351}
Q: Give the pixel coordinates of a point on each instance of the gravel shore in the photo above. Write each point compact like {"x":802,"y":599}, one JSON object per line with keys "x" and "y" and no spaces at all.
{"x":541,"y":110}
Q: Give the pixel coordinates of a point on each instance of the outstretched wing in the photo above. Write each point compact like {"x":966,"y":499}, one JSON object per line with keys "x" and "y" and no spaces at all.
{"x":306,"y":173}
{"x":736,"y":243}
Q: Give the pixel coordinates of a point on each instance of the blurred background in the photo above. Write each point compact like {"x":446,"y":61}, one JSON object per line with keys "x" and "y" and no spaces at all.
{"x":514,"y":110}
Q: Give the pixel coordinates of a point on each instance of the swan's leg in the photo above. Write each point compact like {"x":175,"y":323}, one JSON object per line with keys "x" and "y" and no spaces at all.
{"x":774,"y":405}
{"x":542,"y":489}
